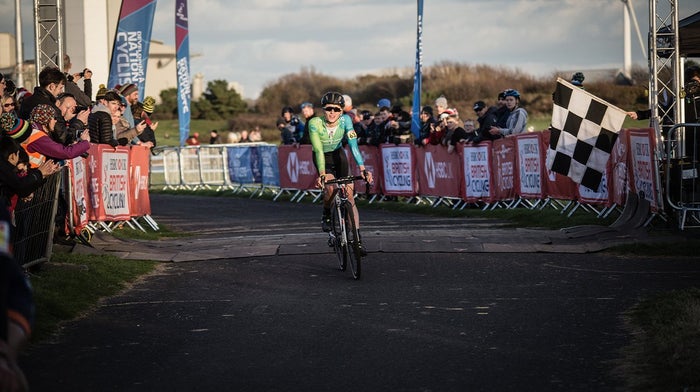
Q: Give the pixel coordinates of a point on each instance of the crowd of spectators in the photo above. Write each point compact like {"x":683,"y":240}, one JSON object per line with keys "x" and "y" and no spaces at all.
{"x":440,"y":124}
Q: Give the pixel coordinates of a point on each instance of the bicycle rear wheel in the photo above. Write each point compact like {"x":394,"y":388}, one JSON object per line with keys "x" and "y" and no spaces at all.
{"x":339,"y":238}
{"x":353,"y":237}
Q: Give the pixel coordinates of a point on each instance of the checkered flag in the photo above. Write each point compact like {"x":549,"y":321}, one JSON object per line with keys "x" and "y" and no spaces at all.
{"x":583,"y":132}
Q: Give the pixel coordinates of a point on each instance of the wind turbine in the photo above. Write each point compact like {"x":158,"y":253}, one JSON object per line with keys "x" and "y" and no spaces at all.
{"x":627,"y":47}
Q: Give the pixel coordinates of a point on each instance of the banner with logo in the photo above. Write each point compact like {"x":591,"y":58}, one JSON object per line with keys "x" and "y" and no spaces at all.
{"x":109,"y":182}
{"x":240,"y":164}
{"x":370,"y":155}
{"x":417,"y":76}
{"x":530,"y":165}
{"x":79,"y":194}
{"x":140,"y":201}
{"x":296,"y":167}
{"x":131,"y":44}
{"x":503,"y":168}
{"x":642,"y":177}
{"x":477,"y":172}
{"x":557,"y":186}
{"x":398,"y":170}
{"x":619,"y":186}
{"x":599,"y":196}
{"x":269,"y":169}
{"x":182,"y":64}
{"x":439,"y":172}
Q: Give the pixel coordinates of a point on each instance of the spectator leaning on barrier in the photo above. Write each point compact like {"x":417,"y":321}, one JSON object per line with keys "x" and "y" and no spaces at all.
{"x":486,"y":117}
{"x":51,"y":84}
{"x":41,"y":147}
{"x":307,"y":112}
{"x":517,"y":119}
{"x":100,"y":126}
{"x":147,"y":137}
{"x":10,"y":182}
{"x":131,"y":95}
{"x":501,"y":110}
{"x":288,"y":124}
{"x":75,"y":123}
{"x":427,"y":123}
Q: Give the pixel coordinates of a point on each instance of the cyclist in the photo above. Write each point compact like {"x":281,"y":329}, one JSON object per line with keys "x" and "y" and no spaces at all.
{"x":326,"y":134}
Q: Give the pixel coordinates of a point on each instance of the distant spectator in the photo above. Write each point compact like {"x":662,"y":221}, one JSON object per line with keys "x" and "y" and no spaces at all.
{"x":348,"y":104}
{"x":384,"y":103}
{"x":399,"y":126}
{"x":193,"y":140}
{"x":577,"y":79}
{"x":487,"y":119}
{"x":8,"y":103}
{"x":500,"y":110}
{"x":427,"y":123}
{"x":255,"y":135}
{"x":51,"y":84}
{"x":440,"y":105}
{"x":517,"y":119}
{"x":307,"y":113}
{"x":288,"y":125}
{"x":41,"y":147}
{"x":130,"y":92}
{"x":361,"y":127}
{"x":100,"y":121}
{"x":147,"y":137}
{"x":82,"y":97}
{"x":75,"y":122}
{"x":214,"y":137}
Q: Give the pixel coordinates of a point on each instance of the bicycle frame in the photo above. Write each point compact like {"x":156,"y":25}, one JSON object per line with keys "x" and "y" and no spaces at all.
{"x":344,"y":237}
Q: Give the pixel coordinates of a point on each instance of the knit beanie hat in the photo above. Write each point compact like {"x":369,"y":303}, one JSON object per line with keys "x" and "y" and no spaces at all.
{"x":127,"y":89}
{"x":42,"y":114}
{"x":441,"y":101}
{"x":14,"y":127}
{"x":101,"y":92}
{"x":149,"y":104}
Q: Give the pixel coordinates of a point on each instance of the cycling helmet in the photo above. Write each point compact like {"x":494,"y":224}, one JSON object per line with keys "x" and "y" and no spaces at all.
{"x":333,"y":98}
{"x":512,"y":93}
{"x":577,"y":79}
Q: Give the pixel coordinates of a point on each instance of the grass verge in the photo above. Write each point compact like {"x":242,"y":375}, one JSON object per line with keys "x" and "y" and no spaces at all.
{"x":72,"y":284}
{"x":664,"y":354}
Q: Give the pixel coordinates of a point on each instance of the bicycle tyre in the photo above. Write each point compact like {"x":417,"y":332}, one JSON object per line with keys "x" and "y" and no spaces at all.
{"x":339,"y":242}
{"x":353,"y":236}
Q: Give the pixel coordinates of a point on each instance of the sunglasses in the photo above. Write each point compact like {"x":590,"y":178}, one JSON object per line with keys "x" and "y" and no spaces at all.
{"x":7,"y":105}
{"x":332,"y":109}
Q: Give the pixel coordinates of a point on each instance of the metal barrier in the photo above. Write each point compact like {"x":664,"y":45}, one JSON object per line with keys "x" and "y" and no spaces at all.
{"x":682,"y":178}
{"x":32,"y":240}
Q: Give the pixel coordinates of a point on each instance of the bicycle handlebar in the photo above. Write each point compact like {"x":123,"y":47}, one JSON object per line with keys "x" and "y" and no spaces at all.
{"x":344,"y":180}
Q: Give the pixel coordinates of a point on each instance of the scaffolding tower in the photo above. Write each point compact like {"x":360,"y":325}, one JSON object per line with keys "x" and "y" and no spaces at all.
{"x":48,"y":34}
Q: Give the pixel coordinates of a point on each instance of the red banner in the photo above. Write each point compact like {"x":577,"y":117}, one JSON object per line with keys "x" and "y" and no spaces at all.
{"x":79,"y":192}
{"x":398,"y":170}
{"x":530,"y":165}
{"x":477,"y":172}
{"x":619,"y":185}
{"x":439,"y":171}
{"x":642,"y":177}
{"x":109,"y":183}
{"x":503,"y":169}
{"x":557,"y":186}
{"x":139,"y":199}
{"x":370,"y":156}
{"x":296,"y":166}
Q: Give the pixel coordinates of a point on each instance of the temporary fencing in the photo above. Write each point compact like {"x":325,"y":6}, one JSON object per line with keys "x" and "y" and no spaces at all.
{"x":505,"y":173}
{"x":682,"y":165}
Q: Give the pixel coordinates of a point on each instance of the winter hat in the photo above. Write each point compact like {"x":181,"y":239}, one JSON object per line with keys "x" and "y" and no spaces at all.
{"x":577,"y":79}
{"x":42,"y":114}
{"x":127,"y":89}
{"x":384,"y":103}
{"x":14,"y":127}
{"x":441,"y":101}
{"x":101,"y":92}
{"x":478,"y":105}
{"x":149,"y":104}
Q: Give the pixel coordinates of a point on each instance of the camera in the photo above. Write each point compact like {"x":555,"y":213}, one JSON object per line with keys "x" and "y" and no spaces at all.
{"x":82,"y":74}
{"x":79,"y":109}
{"x":294,"y":121}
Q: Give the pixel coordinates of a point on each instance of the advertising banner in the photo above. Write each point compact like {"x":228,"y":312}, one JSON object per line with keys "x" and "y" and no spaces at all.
{"x":477,"y":172}
{"x":79,"y":196}
{"x":530,"y":165}
{"x":239,"y":164}
{"x":503,"y":168}
{"x":440,"y":173}
{"x":138,"y":177}
{"x":370,"y":155}
{"x":182,"y":65}
{"x":398,"y":170}
{"x":296,"y":167}
{"x":641,"y":171}
{"x":109,"y":182}
{"x":269,"y":169}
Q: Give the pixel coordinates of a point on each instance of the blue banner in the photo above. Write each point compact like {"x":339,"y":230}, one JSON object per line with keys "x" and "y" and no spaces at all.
{"x":182,"y":47}
{"x":240,"y":167}
{"x":268,"y":165}
{"x":131,"y":44}
{"x":417,"y":77}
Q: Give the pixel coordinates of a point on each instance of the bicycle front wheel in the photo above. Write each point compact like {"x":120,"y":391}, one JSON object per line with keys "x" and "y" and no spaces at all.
{"x":340,"y":243}
{"x":353,"y":237}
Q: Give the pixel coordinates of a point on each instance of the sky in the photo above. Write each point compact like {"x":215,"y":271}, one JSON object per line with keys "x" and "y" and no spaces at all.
{"x":253,"y":43}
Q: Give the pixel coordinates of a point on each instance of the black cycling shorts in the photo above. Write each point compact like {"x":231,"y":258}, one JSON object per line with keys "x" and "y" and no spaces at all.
{"x":336,"y":163}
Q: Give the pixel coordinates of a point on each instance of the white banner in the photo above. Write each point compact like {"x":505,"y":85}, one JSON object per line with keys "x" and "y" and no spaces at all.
{"x":115,"y":183}
{"x":477,"y":170}
{"x":530,"y":166}
{"x":398,"y":170}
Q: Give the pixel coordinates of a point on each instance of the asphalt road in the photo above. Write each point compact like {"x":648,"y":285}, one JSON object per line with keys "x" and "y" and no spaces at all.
{"x":417,"y":321}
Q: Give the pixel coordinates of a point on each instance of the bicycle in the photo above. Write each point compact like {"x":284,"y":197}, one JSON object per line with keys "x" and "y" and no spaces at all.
{"x":344,"y":236}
